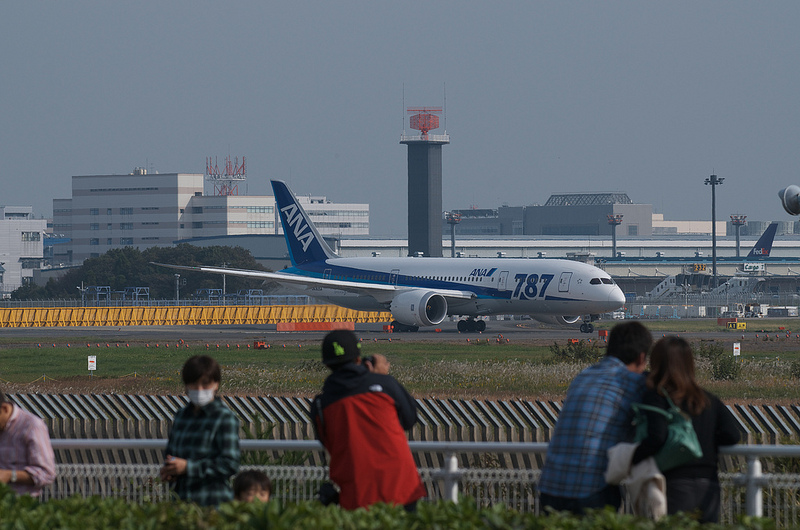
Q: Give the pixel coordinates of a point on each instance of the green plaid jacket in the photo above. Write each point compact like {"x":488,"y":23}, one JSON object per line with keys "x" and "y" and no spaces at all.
{"x":208,"y":439}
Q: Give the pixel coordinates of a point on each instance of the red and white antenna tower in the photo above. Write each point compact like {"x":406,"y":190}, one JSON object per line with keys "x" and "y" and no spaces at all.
{"x":226,"y":182}
{"x":424,"y":119}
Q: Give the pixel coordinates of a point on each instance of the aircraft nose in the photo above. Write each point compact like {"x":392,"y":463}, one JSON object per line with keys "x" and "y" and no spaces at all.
{"x":617,"y":296}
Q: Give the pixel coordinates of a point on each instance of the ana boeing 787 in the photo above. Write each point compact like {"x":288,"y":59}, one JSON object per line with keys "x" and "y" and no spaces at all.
{"x":422,"y":291}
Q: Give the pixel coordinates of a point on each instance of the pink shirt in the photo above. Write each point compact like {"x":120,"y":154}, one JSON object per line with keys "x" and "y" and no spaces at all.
{"x":25,"y":445}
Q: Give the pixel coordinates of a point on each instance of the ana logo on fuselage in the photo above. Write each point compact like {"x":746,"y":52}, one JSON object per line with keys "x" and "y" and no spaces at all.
{"x":483,"y":272}
{"x":295,"y":220}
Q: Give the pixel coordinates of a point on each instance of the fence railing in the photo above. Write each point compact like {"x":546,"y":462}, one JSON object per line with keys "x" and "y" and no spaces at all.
{"x":486,"y":483}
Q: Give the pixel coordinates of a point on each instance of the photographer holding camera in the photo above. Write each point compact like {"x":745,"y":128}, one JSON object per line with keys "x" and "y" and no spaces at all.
{"x":361,"y":417}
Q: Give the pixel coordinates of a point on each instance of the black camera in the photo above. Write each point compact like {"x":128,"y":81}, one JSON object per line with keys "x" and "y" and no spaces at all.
{"x":370,"y":358}
{"x":328,"y":494}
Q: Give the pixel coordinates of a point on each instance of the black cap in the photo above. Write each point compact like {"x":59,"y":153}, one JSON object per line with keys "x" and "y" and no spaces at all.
{"x":339,"y":347}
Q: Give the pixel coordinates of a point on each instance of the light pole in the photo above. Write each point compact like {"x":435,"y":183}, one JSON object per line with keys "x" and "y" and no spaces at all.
{"x":177,"y":287}
{"x":714,"y":181}
{"x":738,"y":221}
{"x":224,"y":266}
{"x":452,"y":218}
{"x":614,"y":220}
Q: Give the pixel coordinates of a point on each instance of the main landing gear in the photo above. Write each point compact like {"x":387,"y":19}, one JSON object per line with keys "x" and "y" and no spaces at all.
{"x":471,"y":325}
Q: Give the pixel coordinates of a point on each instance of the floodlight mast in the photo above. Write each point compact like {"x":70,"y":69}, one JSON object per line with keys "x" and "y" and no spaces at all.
{"x":614,"y":220}
{"x":714,"y":181}
{"x":453,"y":218}
{"x":738,"y":221}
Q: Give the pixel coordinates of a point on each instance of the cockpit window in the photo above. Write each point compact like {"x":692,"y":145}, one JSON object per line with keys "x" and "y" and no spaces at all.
{"x":607,"y":281}
{"x":595,"y":281}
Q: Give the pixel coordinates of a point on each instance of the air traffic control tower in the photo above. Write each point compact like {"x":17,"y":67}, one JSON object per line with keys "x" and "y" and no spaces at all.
{"x":425,"y":183}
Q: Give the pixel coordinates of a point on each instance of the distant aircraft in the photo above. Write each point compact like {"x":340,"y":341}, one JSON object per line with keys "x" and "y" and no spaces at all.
{"x":422,"y":291}
{"x":790,"y":199}
{"x":763,"y":246}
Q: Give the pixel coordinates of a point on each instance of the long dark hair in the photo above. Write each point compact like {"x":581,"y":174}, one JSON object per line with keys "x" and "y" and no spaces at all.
{"x":672,"y":365}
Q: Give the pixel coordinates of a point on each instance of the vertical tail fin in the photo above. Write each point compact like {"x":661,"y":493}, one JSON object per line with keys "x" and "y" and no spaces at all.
{"x":302,"y":238}
{"x":763,"y":246}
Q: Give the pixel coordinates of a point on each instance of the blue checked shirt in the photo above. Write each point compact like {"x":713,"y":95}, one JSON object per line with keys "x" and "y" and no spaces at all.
{"x":208,"y":439}
{"x":596,"y":415}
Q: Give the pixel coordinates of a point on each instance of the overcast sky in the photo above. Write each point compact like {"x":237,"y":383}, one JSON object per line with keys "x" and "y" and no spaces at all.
{"x":644,"y":97}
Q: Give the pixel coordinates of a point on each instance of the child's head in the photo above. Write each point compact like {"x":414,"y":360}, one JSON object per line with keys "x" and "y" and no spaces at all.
{"x":251,"y":485}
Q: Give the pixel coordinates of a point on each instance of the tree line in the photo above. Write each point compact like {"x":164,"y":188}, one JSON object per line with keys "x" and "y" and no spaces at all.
{"x":130,"y":267}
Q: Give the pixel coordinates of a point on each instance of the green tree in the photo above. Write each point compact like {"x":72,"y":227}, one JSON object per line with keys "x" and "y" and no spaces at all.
{"x":130,"y":267}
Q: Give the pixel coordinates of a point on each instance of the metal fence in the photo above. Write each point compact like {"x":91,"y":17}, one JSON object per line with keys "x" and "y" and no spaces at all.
{"x":748,"y":491}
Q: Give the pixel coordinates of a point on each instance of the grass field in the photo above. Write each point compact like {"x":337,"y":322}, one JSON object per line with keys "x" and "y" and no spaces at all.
{"x":485,"y":368}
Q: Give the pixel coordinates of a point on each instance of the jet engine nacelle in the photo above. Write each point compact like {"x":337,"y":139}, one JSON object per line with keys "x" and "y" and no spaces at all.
{"x":419,"y":308}
{"x":790,"y":198}
{"x":555,"y":319}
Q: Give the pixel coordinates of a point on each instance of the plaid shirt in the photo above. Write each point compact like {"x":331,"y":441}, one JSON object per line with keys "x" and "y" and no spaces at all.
{"x":596,"y":415}
{"x":208,"y":439}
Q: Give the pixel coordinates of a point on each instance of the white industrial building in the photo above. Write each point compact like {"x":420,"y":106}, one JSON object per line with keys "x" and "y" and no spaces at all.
{"x":143,"y":210}
{"x":21,"y":247}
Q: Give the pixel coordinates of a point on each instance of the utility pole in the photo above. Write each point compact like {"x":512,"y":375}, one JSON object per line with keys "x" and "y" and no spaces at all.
{"x":714,"y":181}
{"x":177,"y":287}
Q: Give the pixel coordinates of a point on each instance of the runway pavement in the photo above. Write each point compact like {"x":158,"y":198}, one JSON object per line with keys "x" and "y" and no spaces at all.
{"x":517,"y":331}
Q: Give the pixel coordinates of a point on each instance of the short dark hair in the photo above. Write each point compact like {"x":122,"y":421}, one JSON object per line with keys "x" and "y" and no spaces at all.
{"x":3,"y":398}
{"x":201,"y":368}
{"x":627,"y":340}
{"x":247,"y":480}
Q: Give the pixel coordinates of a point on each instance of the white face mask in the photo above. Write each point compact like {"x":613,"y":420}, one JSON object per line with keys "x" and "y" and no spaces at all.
{"x":201,"y":398}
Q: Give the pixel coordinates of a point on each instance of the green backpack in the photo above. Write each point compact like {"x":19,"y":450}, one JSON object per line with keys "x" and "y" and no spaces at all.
{"x":682,"y":445}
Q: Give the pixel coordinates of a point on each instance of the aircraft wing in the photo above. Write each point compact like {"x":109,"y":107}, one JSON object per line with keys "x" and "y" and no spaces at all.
{"x":381,"y":292}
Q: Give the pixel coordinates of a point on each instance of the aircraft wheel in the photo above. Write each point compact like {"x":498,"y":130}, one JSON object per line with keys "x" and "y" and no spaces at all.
{"x":462,"y":326}
{"x":480,"y":325}
{"x":589,"y":328}
{"x":583,"y":328}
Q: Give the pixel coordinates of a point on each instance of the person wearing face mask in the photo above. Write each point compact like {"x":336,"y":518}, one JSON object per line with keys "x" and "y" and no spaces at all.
{"x":203,"y":448}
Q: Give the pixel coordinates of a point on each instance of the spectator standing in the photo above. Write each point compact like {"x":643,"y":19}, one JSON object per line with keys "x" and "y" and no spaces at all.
{"x":361,"y":417}
{"x":596,"y":415}
{"x":27,"y":462}
{"x":252,"y":485}
{"x":693,"y":486}
{"x":203,"y":448}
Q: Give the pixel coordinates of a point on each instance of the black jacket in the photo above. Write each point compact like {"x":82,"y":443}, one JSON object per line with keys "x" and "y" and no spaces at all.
{"x":715,"y":426}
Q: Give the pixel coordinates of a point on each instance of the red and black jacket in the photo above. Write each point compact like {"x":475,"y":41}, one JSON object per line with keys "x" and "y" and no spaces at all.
{"x":361,"y":418}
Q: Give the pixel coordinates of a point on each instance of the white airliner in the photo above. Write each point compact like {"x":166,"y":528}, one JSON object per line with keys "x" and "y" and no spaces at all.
{"x":423,"y":291}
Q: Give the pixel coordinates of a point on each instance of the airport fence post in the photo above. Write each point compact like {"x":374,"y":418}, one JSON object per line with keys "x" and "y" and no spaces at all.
{"x":753,"y":492}
{"x":451,"y":477}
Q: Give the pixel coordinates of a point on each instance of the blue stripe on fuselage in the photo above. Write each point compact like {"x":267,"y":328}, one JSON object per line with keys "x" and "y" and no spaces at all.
{"x":317,"y":270}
